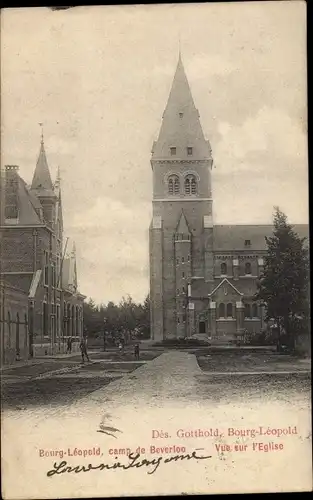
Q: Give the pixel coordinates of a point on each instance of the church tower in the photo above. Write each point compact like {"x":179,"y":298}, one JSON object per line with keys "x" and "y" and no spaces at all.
{"x":42,"y":186}
{"x":181,"y":227}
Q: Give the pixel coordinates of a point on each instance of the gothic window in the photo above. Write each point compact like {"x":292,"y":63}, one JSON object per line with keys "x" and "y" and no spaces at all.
{"x":178,"y":320}
{"x":254,"y":310}
{"x":229,"y":311}
{"x":9,"y":329}
{"x":177,"y":291}
{"x":177,"y":261}
{"x":188,"y":258}
{"x":224,"y":269}
{"x":182,"y":260}
{"x":173,"y":151}
{"x":173,"y":184}
{"x":46,"y":268}
{"x":190,"y":185}
{"x":25,"y":330}
{"x":183,"y":289}
{"x":248,"y":268}
{"x":189,"y":151}
{"x":183,"y":275}
{"x":221,"y":310}
{"x":17,"y":335}
{"x":247,"y":311}
{"x":44,"y":319}
{"x":53,"y":275}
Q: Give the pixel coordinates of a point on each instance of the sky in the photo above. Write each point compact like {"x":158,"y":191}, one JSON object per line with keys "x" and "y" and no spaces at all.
{"x":99,"y":78}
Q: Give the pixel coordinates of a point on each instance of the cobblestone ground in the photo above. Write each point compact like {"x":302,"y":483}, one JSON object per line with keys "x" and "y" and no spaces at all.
{"x":168,"y":401}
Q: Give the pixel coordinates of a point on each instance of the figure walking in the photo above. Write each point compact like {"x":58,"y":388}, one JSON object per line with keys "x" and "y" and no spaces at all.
{"x":69,"y":346}
{"x":83,"y":350}
{"x":136,"y":351}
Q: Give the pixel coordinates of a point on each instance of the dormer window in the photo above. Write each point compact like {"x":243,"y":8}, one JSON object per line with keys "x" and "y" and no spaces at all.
{"x":173,"y":151}
{"x":247,"y":243}
{"x":189,"y":151}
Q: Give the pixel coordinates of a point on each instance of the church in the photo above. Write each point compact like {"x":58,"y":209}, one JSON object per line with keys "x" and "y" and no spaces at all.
{"x":203,"y":276}
{"x":40,"y":301}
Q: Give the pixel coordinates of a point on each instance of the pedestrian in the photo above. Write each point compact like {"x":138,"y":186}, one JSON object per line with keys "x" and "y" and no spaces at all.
{"x":120,"y":347}
{"x":69,"y":345}
{"x":83,"y":350}
{"x":136,"y":350}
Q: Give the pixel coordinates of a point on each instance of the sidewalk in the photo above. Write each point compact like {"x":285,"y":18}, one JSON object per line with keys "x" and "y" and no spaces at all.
{"x":37,"y":360}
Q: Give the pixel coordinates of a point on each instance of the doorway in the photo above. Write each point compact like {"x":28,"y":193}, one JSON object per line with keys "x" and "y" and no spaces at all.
{"x":202,"y":327}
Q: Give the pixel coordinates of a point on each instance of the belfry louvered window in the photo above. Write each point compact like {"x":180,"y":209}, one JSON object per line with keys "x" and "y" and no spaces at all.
{"x":190,"y":185}
{"x":173,"y":184}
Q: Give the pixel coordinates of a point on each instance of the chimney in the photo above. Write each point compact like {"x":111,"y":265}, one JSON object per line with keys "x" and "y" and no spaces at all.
{"x":11,"y":192}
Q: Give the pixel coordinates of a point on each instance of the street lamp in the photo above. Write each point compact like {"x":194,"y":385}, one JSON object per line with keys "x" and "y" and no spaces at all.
{"x":104,"y":332}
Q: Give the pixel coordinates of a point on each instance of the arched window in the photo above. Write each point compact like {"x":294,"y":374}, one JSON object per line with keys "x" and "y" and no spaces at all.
{"x":247,"y":311}
{"x":173,"y":184}
{"x":17,"y":335}
{"x":26,"y":329}
{"x":177,"y":291}
{"x":190,"y":184}
{"x":229,"y":310}
{"x":247,"y":268}
{"x":193,"y":186}
{"x":254,"y":310}
{"x":176,"y":185}
{"x":223,"y":268}
{"x":9,"y":329}
{"x":221,"y":310}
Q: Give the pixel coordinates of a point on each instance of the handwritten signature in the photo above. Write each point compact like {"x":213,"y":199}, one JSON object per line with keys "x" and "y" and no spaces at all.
{"x":134,"y":461}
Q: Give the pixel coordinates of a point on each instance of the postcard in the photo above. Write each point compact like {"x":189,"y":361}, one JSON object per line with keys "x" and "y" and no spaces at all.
{"x":154,"y":251}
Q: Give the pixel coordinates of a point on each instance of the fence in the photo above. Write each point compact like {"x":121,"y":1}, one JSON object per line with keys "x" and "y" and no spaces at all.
{"x":15,"y":341}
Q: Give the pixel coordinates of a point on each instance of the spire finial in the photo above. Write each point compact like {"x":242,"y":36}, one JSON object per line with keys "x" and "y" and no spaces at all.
{"x":41,"y":125}
{"x":179,"y":46}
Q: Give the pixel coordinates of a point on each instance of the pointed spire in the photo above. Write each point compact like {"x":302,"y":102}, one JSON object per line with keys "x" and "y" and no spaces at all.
{"x":42,"y":179}
{"x":182,"y":227}
{"x":181,"y":128}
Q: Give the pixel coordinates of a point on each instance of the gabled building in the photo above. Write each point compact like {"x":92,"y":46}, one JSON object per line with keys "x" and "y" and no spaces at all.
{"x":202,"y":276}
{"x":34,"y":258}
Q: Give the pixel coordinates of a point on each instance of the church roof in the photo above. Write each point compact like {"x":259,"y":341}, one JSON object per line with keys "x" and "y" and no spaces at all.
{"x":28,"y":205}
{"x":42,"y":182}
{"x":247,"y":237}
{"x":181,"y":126}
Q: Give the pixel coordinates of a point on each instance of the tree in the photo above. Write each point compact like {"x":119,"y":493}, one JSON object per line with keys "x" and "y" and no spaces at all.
{"x":283,"y":287}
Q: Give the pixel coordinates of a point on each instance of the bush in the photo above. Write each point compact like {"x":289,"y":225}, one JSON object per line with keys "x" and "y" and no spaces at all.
{"x":181,"y":342}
